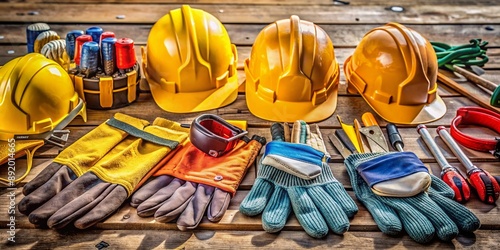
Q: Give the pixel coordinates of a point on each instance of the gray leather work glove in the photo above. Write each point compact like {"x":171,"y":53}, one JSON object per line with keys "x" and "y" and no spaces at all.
{"x":192,"y":183}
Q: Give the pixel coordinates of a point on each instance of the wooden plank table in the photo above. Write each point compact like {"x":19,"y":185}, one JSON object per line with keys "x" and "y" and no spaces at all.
{"x":451,"y":21}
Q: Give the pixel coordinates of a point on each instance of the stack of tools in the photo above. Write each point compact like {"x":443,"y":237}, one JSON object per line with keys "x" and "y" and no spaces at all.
{"x":104,"y":69}
{"x":449,"y":174}
{"x":397,"y":188}
{"x":106,"y":72}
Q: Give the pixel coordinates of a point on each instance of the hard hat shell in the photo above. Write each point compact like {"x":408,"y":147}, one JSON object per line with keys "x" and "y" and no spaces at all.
{"x":36,"y":94}
{"x":292,"y":73}
{"x":395,"y":69}
{"x":190,"y":63}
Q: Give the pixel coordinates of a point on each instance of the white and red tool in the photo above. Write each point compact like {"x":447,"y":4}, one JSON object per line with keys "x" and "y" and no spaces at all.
{"x":449,"y":174}
{"x":486,"y":186}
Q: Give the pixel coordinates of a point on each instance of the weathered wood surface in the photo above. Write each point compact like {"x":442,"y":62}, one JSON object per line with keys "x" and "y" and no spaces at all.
{"x":343,"y":36}
{"x":216,"y":239}
{"x":251,"y":13}
{"x":452,"y":21}
{"x":275,"y":2}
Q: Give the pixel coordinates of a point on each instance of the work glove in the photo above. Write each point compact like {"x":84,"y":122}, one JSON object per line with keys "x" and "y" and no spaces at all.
{"x":74,"y":161}
{"x":102,"y":189}
{"x":422,"y":216}
{"x":319,"y":203}
{"x":193,"y":182}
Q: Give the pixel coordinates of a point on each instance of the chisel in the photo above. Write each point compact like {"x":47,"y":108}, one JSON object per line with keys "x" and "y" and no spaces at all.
{"x":486,"y":186}
{"x":449,"y":174}
{"x":339,"y":146}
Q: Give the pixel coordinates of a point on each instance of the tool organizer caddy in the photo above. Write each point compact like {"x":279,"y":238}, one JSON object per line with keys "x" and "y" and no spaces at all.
{"x":108,"y":92}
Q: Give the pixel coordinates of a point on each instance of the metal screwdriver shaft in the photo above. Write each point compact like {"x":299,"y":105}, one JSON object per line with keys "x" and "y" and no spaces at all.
{"x":394,"y":137}
{"x":449,"y":174}
{"x":485,"y":184}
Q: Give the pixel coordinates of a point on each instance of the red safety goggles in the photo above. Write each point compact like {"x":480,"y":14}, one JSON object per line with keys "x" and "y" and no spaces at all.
{"x":213,"y":135}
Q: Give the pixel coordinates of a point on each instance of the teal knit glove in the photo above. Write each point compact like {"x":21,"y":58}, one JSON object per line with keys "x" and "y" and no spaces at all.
{"x":422,"y":216}
{"x":319,"y":204}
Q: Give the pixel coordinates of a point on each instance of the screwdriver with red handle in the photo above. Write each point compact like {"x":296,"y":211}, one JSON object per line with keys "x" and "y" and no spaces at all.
{"x":486,"y":186}
{"x":449,"y":174}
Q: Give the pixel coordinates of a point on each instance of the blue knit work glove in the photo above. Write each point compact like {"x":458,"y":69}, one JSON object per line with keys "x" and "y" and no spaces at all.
{"x":422,"y":216}
{"x":319,"y":204}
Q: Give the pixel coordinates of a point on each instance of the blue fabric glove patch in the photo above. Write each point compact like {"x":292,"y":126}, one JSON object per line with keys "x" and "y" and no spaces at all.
{"x":389,"y":167}
{"x":296,"y":151}
{"x":300,"y":160}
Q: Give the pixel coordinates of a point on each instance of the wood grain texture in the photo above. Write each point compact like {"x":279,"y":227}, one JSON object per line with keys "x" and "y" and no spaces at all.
{"x":343,"y":36}
{"x":213,"y":239}
{"x":227,"y":13}
{"x":451,"y":21}
{"x":271,"y":2}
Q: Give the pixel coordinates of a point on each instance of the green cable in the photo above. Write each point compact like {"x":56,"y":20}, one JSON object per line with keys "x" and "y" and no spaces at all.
{"x":463,"y":55}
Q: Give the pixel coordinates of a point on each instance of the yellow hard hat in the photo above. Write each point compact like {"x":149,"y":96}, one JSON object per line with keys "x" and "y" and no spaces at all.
{"x":292,"y":73}
{"x":36,"y":97}
{"x":190,"y":63}
{"x":395,"y":69}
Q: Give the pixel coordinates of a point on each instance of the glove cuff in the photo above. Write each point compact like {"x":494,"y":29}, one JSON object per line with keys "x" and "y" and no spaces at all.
{"x":83,"y":154}
{"x":284,"y":179}
{"x":354,"y":160}
{"x":140,"y":152}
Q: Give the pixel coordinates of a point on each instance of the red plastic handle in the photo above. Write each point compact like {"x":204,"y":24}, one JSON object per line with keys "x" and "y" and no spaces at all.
{"x":486,"y":186}
{"x":457,"y":182}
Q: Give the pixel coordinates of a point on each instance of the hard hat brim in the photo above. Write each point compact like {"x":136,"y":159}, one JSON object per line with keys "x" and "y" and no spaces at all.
{"x":282,"y":111}
{"x":190,"y":102}
{"x":428,"y":112}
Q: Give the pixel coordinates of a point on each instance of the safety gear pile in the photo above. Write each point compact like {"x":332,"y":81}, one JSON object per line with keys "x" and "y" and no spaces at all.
{"x":320,"y":204}
{"x":174,"y":173}
{"x":85,"y":183}
{"x":29,"y":110}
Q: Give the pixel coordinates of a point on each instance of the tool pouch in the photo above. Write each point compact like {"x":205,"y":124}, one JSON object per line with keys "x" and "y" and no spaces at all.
{"x":108,"y":92}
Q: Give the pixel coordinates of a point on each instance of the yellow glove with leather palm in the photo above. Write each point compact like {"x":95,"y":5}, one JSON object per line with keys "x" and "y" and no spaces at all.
{"x":106,"y":177}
